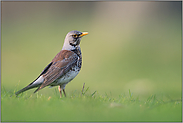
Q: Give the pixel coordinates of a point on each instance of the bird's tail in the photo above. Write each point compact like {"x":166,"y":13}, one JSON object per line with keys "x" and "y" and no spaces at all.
{"x":30,"y":86}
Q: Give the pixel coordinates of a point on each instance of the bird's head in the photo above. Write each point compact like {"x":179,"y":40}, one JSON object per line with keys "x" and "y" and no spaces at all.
{"x":72,"y":39}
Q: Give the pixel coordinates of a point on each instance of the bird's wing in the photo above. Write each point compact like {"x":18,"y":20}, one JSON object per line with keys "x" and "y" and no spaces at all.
{"x":43,"y":72}
{"x":61,"y":64}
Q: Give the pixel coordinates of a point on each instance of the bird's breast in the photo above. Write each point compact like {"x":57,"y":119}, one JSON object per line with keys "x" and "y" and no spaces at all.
{"x":68,"y":76}
{"x":71,"y":74}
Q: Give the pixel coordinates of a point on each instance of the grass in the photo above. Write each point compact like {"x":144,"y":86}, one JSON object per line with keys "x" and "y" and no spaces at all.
{"x":86,"y":106}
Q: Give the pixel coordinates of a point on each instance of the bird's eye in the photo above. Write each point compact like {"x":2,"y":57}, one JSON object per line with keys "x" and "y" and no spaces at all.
{"x":75,"y":36}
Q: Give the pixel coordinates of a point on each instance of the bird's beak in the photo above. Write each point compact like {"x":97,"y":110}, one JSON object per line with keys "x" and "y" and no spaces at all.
{"x":83,"y":34}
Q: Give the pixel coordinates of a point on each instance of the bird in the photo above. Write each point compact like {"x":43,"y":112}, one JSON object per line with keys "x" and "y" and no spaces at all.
{"x":63,"y":68}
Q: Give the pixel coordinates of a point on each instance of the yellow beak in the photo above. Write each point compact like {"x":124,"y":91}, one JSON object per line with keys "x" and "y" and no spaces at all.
{"x":83,"y":34}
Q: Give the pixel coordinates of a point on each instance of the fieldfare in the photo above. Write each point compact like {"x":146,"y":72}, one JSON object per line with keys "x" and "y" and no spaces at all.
{"x":63,"y":68}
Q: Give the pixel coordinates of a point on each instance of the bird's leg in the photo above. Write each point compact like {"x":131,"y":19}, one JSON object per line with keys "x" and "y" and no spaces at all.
{"x":64,"y":92}
{"x":60,"y":90}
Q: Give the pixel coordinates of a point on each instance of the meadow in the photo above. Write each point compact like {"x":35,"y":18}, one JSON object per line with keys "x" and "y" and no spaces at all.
{"x":89,"y":107}
{"x":131,"y":61}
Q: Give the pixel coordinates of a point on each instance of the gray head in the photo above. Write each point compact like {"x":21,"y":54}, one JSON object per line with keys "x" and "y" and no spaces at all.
{"x":72,"y":39}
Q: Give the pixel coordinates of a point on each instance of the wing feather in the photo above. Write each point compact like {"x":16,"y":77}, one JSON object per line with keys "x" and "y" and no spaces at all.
{"x":59,"y":67}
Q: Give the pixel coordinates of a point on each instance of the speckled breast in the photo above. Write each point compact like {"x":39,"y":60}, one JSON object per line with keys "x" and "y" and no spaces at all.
{"x":72,"y":73}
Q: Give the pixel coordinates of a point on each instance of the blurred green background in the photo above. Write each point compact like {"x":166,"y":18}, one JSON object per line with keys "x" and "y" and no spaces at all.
{"x":131,"y":45}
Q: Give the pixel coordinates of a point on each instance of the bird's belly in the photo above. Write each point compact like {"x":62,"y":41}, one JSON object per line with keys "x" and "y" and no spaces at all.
{"x":67,"y":77}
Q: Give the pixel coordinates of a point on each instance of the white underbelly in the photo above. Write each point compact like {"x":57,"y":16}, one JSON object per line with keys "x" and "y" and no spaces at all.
{"x":66,"y":78}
